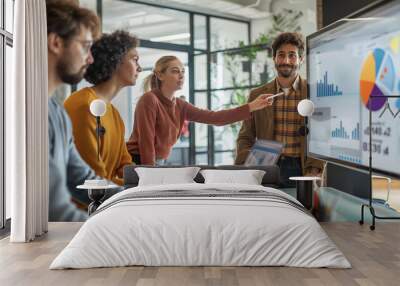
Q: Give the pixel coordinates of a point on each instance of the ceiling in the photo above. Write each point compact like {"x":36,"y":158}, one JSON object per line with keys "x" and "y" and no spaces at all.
{"x":153,"y":23}
{"x":245,"y":9}
{"x":162,"y":24}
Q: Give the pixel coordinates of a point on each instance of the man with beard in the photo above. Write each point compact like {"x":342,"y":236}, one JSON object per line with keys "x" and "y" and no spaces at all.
{"x":282,"y":123}
{"x":70,"y":33}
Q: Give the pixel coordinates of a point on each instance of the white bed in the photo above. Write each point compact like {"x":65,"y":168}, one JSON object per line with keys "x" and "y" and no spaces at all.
{"x":225,"y":225}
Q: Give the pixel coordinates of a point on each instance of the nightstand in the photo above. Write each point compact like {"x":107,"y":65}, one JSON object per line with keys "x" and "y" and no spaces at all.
{"x":304,"y":190}
{"x":96,"y":195}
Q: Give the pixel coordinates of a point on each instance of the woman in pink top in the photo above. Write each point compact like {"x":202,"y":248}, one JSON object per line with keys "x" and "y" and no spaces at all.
{"x":159,"y":115}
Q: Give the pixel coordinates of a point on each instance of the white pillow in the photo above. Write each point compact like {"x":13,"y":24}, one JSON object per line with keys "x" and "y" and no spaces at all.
{"x":248,"y":177}
{"x":166,"y":176}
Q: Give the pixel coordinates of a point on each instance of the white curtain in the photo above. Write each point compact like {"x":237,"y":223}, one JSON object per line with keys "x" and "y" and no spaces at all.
{"x":26,"y":124}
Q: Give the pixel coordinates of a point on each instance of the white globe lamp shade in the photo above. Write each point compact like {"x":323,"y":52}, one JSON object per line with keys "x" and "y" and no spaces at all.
{"x":98,"y":107}
{"x":305,"y":107}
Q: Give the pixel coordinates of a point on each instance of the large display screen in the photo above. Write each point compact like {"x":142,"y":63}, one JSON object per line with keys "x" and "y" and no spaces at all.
{"x":348,"y":63}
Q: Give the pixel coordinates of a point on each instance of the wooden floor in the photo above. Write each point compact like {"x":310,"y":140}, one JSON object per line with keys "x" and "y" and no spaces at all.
{"x":374,"y":255}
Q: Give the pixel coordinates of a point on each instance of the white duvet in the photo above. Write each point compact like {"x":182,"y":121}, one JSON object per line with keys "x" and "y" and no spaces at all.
{"x":203,"y":231}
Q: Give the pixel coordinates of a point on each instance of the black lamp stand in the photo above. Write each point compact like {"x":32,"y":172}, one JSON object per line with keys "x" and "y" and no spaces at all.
{"x":100,"y":131}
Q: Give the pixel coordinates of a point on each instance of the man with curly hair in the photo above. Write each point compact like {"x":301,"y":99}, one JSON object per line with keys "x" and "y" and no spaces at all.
{"x":115,"y":66}
{"x":282,"y":123}
{"x":70,"y":32}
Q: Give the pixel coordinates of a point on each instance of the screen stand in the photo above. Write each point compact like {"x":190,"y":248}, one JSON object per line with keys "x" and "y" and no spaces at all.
{"x":369,"y":205}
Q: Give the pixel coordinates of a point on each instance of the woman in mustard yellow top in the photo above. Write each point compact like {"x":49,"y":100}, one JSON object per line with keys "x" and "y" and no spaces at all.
{"x":115,"y":66}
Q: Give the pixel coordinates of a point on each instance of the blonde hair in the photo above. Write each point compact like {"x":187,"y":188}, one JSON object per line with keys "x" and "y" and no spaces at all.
{"x":152,"y":81}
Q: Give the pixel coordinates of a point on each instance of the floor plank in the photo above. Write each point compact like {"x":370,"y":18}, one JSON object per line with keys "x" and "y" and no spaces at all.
{"x":375,"y":257}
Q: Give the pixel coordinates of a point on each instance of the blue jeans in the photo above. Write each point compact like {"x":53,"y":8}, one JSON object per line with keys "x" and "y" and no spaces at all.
{"x":289,"y":167}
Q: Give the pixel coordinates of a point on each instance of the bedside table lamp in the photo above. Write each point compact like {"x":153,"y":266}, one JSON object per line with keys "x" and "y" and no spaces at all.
{"x":305,"y":108}
{"x":96,"y":188}
{"x":304,"y":188}
{"x":98,"y":108}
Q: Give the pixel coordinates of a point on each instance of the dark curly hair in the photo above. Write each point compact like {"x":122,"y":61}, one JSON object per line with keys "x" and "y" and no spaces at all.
{"x":108,"y":53}
{"x":294,"y":39}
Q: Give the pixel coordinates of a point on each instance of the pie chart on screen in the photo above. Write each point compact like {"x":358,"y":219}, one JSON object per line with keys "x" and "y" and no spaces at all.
{"x":377,"y":79}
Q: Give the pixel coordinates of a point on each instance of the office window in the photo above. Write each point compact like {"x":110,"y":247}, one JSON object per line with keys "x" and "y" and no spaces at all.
{"x":225,"y":136}
{"x":2,"y":79}
{"x":200,"y":32}
{"x":89,"y":4}
{"x":263,"y":67}
{"x":8,"y":74}
{"x":227,"y":34}
{"x":241,"y":67}
{"x":9,"y":15}
{"x":229,"y":73}
{"x":229,"y":70}
{"x":201,"y":131}
{"x":200,"y":72}
{"x":224,"y":158}
{"x":6,"y":29}
{"x":147,"y":22}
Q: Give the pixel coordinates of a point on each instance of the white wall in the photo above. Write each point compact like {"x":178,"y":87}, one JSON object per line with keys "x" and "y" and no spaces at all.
{"x":308,"y":21}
